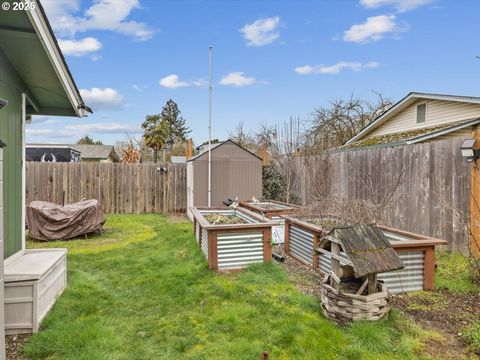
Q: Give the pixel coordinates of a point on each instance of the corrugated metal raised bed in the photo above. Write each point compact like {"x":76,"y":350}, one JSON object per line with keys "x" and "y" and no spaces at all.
{"x":232,"y":238}
{"x":273,"y":210}
{"x":416,"y":251}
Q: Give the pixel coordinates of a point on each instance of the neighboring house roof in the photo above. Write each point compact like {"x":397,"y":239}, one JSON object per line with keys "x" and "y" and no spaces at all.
{"x":29,"y":43}
{"x":101,"y":152}
{"x":216,"y":145}
{"x":404,"y":103}
{"x":366,"y":247}
{"x":410,"y":136}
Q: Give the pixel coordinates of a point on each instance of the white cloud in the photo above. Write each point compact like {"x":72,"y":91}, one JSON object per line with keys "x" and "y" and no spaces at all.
{"x":79,"y":47}
{"x":336,"y":68}
{"x":399,"y":5}
{"x":70,"y":132}
{"x":373,"y":29}
{"x":43,"y":119}
{"x":237,"y":78}
{"x":102,"y":15}
{"x":47,"y":133}
{"x":173,"y":82}
{"x":97,"y":98}
{"x":103,"y":128}
{"x":261,"y":32}
{"x":139,"y":88}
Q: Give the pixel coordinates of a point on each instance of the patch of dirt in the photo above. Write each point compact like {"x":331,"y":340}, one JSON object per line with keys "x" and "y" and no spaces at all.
{"x":444,"y":312}
{"x":303,"y":277}
{"x":177,"y":218}
{"x":441,"y":311}
{"x":14,"y":345}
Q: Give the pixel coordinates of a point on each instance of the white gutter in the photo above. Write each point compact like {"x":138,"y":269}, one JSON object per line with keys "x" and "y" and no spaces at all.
{"x":443,"y":131}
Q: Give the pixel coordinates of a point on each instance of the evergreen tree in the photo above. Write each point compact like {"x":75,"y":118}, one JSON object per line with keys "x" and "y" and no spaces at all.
{"x":174,"y":122}
{"x":87,"y":140}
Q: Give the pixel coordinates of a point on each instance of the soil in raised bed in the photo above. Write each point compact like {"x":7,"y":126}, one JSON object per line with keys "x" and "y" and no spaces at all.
{"x":220,"y":219}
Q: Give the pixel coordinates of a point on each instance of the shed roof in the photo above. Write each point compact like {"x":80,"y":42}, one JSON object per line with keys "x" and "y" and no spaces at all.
{"x":96,"y":151}
{"x":217,"y":145}
{"x":367,"y":248}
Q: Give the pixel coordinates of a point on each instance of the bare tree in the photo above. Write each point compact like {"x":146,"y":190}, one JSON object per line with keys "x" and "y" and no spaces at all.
{"x":334,"y":124}
{"x":243,"y":137}
{"x":286,"y":153}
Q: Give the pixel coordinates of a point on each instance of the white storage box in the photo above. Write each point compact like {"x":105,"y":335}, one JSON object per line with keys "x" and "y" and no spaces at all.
{"x":33,"y":282}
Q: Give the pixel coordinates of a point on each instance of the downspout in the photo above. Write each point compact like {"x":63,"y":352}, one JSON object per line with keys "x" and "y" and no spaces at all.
{"x":24,"y":119}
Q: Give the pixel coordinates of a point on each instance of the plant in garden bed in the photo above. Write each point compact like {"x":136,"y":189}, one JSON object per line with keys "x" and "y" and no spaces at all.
{"x":221,"y":219}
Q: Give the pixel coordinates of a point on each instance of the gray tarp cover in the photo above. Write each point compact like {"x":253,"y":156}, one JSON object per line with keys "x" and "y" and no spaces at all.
{"x":50,"y":221}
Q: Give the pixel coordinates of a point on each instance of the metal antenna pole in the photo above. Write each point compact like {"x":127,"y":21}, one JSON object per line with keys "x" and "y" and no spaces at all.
{"x":210,"y":126}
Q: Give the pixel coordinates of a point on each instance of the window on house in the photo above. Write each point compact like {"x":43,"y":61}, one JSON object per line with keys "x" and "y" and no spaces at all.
{"x":421,"y":113}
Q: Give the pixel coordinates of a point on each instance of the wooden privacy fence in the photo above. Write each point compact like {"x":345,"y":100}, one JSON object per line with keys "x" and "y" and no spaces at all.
{"x":433,"y":195}
{"x":121,"y":188}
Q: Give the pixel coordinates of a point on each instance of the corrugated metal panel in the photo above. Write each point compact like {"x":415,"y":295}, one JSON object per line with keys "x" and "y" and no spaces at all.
{"x":239,"y":250}
{"x":204,"y":242}
{"x":246,"y":217}
{"x":324,"y":262}
{"x":408,"y":279}
{"x":301,"y":244}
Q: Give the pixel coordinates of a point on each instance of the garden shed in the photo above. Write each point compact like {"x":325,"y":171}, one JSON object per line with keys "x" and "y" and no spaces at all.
{"x":236,"y":172}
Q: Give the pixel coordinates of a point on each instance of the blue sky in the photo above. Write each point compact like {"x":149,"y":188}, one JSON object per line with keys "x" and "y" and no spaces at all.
{"x":272,"y":58}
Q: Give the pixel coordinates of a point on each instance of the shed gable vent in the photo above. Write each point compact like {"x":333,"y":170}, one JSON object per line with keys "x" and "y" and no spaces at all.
{"x":421,"y":113}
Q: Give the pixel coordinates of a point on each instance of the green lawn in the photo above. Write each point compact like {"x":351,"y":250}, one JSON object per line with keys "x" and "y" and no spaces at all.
{"x":142,"y":290}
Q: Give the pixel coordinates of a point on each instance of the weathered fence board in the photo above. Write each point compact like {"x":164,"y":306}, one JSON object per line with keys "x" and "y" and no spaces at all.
{"x":122,"y":188}
{"x":434,"y":194}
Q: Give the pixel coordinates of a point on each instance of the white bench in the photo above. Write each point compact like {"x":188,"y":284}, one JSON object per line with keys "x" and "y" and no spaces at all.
{"x":33,"y":282}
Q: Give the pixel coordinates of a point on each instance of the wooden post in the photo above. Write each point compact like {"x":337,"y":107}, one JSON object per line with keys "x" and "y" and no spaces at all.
{"x":475,"y":200}
{"x":267,"y":245}
{"x":429,"y":269}
{"x":335,"y":266}
{"x":165,"y":184}
{"x":212,"y":250}
{"x":286,"y":242}
{"x":372,"y":284}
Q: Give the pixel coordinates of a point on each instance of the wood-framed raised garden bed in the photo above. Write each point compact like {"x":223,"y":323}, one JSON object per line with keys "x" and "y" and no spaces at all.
{"x":274,"y":210}
{"x":230,"y":238}
{"x":416,"y":251}
{"x":270,"y":208}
